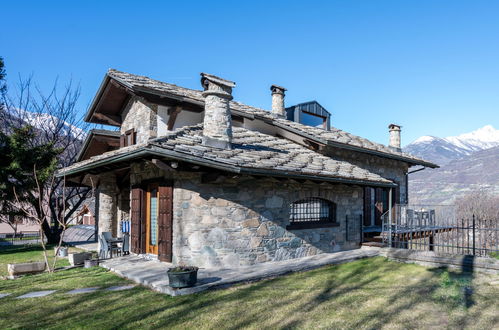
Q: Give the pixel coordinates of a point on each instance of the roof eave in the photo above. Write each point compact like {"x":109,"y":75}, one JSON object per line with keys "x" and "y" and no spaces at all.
{"x":355,"y":148}
{"x":98,"y":95}
{"x":158,"y":151}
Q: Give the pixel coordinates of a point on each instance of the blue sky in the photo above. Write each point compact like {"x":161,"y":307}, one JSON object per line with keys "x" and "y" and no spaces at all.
{"x":430,"y":66}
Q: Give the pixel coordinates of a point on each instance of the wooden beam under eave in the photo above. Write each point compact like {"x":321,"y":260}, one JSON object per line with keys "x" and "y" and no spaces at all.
{"x":112,"y":120}
{"x":213,"y":177}
{"x":173,"y":117}
{"x":162,"y":165}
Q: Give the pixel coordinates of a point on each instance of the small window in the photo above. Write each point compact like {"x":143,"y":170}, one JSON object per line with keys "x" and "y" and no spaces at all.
{"x":312,"y":120}
{"x":312,"y":212}
{"x":128,"y":138}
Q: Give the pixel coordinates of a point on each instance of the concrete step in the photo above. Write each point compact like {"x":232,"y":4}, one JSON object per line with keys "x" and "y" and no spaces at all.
{"x":376,"y":244}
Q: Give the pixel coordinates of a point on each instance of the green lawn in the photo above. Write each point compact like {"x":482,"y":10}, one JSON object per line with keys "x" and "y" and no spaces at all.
{"x":370,"y":293}
{"x":28,"y":253}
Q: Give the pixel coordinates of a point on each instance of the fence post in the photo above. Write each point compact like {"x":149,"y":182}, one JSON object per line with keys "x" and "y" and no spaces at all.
{"x":473,"y":234}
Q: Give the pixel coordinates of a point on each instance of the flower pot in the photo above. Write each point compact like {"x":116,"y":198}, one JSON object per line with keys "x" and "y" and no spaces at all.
{"x":182,"y":279}
{"x":91,"y":263}
{"x":63,"y":251}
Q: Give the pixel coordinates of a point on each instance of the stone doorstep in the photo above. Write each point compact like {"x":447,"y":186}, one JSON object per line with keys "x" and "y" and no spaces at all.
{"x":157,"y":278}
{"x":260,"y":276}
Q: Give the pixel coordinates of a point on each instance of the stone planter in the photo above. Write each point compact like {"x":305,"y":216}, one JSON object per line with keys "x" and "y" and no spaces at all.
{"x":182,"y":279}
{"x":63,"y":252}
{"x":79,"y":258}
{"x":91,"y":263}
{"x":26,"y":268}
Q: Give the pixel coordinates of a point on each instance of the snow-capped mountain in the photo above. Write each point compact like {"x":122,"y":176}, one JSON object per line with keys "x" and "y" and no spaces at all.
{"x":444,"y":150}
{"x":468,"y":162}
{"x":43,"y":121}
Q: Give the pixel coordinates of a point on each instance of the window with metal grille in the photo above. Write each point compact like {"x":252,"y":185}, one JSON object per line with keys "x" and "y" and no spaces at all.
{"x":312,"y":212}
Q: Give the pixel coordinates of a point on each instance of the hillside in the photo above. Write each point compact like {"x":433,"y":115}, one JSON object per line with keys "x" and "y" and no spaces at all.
{"x":469,"y":162}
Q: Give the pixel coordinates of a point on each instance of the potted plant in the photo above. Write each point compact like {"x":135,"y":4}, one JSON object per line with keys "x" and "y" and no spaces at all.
{"x":182,"y":276}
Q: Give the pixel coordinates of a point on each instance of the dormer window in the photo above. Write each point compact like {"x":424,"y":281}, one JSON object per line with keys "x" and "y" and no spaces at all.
{"x":310,"y":114}
{"x":128,"y":138}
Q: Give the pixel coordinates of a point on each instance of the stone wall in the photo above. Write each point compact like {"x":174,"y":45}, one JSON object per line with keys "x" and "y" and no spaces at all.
{"x":243,"y":221}
{"x":107,"y":198}
{"x":388,"y":168}
{"x":141,"y":116}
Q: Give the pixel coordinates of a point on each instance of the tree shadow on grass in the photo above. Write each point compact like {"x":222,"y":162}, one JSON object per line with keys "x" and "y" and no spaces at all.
{"x":280,"y":302}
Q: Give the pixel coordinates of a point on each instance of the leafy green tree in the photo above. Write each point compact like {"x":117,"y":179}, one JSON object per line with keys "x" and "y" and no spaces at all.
{"x":23,"y":168}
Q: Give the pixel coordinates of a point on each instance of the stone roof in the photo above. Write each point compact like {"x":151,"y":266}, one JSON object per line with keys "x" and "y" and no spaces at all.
{"x":334,"y":136}
{"x":252,"y":152}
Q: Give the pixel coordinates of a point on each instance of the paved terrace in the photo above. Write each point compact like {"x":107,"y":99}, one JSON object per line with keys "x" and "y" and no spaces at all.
{"x":152,"y":273}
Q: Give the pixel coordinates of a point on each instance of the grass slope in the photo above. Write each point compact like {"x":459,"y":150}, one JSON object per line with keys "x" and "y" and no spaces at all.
{"x":28,"y":253}
{"x":369,"y":293}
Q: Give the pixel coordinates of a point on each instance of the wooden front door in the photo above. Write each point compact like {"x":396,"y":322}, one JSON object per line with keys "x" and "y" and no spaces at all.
{"x":152,"y":208}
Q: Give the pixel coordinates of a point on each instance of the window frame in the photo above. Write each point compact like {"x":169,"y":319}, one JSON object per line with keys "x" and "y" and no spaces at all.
{"x":128,"y":136}
{"x":303,"y":223}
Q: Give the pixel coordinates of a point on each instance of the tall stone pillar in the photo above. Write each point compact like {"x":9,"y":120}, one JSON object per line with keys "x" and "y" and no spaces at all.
{"x":107,"y":191}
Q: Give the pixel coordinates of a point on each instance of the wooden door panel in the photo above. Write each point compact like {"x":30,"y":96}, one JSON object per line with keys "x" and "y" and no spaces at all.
{"x":165,"y":222}
{"x":137,"y":221}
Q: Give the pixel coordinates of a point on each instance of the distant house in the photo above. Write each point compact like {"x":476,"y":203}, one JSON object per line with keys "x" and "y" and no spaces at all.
{"x":216,"y":183}
{"x":85,"y":216}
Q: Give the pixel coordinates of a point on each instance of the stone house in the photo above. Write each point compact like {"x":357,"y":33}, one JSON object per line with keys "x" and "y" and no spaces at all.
{"x":212,"y":182}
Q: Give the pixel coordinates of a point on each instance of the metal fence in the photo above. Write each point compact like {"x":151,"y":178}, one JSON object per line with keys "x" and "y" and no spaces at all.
{"x":437,"y":228}
{"x":20,"y":238}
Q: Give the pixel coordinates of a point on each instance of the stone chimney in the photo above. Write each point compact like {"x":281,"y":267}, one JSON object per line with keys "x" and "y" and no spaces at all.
{"x":217,"y":129}
{"x":394,"y":136}
{"x":278,"y":100}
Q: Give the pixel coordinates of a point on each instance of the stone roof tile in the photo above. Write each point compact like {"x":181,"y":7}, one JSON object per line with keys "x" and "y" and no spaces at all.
{"x":334,"y":135}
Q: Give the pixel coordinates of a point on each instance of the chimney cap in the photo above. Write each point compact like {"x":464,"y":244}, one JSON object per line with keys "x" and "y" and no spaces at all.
{"x":277,"y":89}
{"x":394,"y":126}
{"x":216,"y":80}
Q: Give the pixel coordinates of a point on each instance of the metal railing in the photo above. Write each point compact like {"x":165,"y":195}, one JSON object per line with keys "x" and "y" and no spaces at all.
{"x":437,"y":228}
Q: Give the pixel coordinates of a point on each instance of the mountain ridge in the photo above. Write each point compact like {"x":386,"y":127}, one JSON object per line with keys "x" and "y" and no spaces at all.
{"x":444,"y":150}
{"x":468,"y":162}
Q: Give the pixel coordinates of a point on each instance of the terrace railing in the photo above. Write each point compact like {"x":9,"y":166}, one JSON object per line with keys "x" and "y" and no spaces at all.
{"x":437,"y":228}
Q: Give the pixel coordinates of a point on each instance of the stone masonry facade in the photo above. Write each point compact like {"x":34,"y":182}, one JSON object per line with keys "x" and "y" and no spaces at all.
{"x":141,"y":116}
{"x":387,"y":168}
{"x":242,"y":222}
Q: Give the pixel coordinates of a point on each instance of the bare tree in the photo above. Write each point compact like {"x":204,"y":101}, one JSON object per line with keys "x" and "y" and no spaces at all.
{"x":484,"y":207}
{"x":41,"y":217}
{"x":56,"y":120}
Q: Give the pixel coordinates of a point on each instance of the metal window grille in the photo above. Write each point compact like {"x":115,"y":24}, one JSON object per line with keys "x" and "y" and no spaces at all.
{"x":313,"y":209}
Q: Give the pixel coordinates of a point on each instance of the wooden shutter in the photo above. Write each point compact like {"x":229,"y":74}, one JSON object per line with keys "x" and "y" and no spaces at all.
{"x":367,"y":206}
{"x":122,"y":140}
{"x":137,"y":220}
{"x":165,"y":222}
